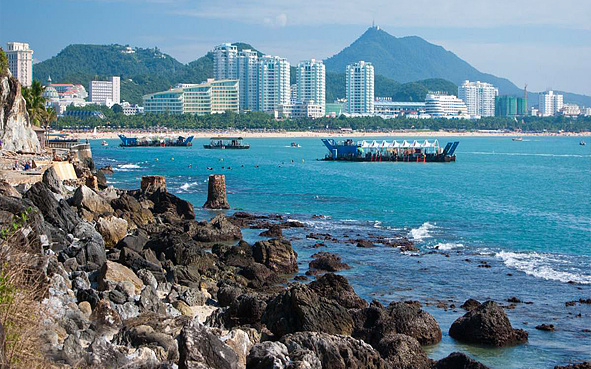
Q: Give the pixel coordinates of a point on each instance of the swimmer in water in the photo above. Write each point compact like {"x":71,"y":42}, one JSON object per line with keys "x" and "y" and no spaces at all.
{"x":190,"y":165}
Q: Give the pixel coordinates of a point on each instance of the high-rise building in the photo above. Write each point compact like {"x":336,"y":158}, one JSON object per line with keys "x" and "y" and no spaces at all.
{"x":205,"y":98}
{"x":449,"y":106}
{"x":510,"y":106}
{"x":360,"y":88}
{"x":247,"y":74}
{"x":273,"y":82}
{"x":479,"y":98}
{"x":311,"y":82}
{"x":550,"y":103}
{"x":224,"y":62}
{"x":105,"y":92}
{"x":20,"y":62}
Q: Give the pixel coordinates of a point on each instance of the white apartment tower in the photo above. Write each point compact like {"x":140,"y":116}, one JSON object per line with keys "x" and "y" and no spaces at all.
{"x":105,"y":92}
{"x":479,"y":98}
{"x":20,"y":62}
{"x":273,"y":82}
{"x":247,"y":74}
{"x":224,"y":62}
{"x":550,"y":103}
{"x":360,"y":88}
{"x":311,"y":82}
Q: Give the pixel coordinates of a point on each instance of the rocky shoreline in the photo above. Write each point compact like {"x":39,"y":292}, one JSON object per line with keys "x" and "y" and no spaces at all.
{"x":133,"y":280}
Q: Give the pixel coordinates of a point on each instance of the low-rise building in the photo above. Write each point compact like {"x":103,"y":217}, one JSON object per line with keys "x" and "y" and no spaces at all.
{"x":205,"y":98}
{"x":129,"y":109}
{"x":439,"y":105}
{"x":387,"y":108}
{"x":570,"y":110}
{"x":299,"y":109}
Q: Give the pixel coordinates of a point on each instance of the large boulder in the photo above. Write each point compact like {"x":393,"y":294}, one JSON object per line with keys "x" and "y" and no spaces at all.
{"x":199,"y":349}
{"x":59,"y":214}
{"x":130,"y":209}
{"x":51,"y":179}
{"x":458,"y":360}
{"x":336,"y":287}
{"x":89,"y":200}
{"x":332,"y":351}
{"x":268,"y":355}
{"x":7,"y":190}
{"x":218,"y":229}
{"x":112,"y":273}
{"x":146,"y":336}
{"x":327,"y":262}
{"x":246,"y":309}
{"x":90,"y":250}
{"x":376,"y":322}
{"x":277,"y":255}
{"x":172,"y":207}
{"x":487,"y":325}
{"x":112,"y":229}
{"x":403,"y":352}
{"x":301,"y":309}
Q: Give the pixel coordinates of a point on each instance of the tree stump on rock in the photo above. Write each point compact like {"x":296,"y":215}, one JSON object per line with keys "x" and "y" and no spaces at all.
{"x":216,"y":193}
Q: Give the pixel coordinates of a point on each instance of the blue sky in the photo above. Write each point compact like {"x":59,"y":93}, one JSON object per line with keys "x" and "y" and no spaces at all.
{"x":544,"y":43}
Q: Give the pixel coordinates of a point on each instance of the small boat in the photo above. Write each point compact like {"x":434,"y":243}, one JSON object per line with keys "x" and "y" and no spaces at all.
{"x":582,"y":143}
{"x":230,"y":143}
{"x":293,"y":144}
{"x":105,"y":143}
{"x":517,"y":138}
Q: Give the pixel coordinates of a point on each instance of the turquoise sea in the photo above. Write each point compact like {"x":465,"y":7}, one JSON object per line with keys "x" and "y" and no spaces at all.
{"x":522,"y":207}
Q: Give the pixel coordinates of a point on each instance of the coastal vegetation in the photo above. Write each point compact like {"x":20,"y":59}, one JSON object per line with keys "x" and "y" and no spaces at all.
{"x":263,"y":121}
{"x":39,"y":114}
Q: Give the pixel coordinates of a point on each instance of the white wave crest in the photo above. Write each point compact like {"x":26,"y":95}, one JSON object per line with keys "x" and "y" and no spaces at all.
{"x":129,"y":166}
{"x":445,"y":246}
{"x":543,"y":266}
{"x":419,"y":234}
{"x":186,"y":186}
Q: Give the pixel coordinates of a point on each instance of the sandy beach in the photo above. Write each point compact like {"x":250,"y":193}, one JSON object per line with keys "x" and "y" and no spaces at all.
{"x":104,"y":135}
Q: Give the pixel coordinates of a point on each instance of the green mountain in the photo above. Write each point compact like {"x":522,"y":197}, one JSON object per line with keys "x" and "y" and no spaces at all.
{"x":407,"y":59}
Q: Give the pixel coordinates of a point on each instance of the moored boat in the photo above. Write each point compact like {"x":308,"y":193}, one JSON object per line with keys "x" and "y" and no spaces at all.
{"x":582,"y":143}
{"x":405,"y":151}
{"x":155,"y":141}
{"x":229,"y":143}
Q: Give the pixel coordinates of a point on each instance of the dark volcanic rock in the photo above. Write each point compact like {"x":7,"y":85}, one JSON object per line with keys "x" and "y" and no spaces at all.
{"x":365,"y":243}
{"x":488,"y":325}
{"x":52,"y":181}
{"x":199,"y":348}
{"x":333,"y":352}
{"x":328,"y":262}
{"x":546,"y":327}
{"x":247,"y":309}
{"x":301,"y":309}
{"x":277,"y":255}
{"x":470,"y":304}
{"x":336,"y":287}
{"x":268,"y":355}
{"x":458,"y":360}
{"x":134,"y":241}
{"x":59,"y":214}
{"x":403,"y":352}
{"x":176,"y":207}
{"x":130,"y":209}
{"x":376,"y":322}
{"x":274,"y":231}
{"x":583,"y":365}
{"x":218,"y":229}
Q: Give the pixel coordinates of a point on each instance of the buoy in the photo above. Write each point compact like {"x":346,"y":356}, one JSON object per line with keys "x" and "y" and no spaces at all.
{"x":221,"y":159}
{"x":156,"y":159}
{"x":171,"y":158}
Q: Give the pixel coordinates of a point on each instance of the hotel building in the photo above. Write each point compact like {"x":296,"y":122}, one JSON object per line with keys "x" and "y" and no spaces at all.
{"x":200,"y":99}
{"x":105,"y":92}
{"x":20,"y":62}
{"x":550,"y":103}
{"x":273,"y":83}
{"x":447,"y":106}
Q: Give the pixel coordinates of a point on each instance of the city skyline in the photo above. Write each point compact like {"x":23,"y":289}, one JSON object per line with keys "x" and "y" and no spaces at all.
{"x":530,"y":45}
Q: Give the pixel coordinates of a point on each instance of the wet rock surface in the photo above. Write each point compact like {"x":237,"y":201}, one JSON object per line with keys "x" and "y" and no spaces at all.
{"x":487,"y":325}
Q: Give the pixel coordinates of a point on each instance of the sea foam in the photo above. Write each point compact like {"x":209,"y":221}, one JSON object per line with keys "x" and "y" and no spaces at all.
{"x":543,"y":266}
{"x":419,"y":234}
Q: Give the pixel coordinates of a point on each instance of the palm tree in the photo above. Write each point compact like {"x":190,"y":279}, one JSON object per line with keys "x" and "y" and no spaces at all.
{"x":35,"y":102}
{"x":49,"y":117}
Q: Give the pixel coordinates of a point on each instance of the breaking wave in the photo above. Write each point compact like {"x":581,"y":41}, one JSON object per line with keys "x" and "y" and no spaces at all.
{"x":419,"y":234}
{"x":545,"y":266}
{"x":445,"y":246}
{"x":186,"y":186}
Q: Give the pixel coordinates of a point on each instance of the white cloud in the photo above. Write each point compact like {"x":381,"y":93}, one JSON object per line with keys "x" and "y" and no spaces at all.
{"x":279,"y":20}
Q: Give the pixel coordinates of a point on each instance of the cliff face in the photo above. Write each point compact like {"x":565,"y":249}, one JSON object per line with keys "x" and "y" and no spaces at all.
{"x":16,"y":131}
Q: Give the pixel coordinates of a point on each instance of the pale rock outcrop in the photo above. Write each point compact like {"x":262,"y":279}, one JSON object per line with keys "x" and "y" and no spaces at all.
{"x":16,"y":131}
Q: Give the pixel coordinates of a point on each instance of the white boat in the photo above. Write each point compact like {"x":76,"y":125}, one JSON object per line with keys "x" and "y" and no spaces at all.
{"x":517,"y":138}
{"x":105,"y":143}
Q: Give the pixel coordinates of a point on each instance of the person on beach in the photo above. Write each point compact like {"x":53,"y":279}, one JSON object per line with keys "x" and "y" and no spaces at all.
{"x":27,"y":166}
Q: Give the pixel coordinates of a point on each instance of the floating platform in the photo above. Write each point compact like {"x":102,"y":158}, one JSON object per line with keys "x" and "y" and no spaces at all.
{"x":155,"y":141}
{"x":415,"y":152}
{"x":226,"y":143}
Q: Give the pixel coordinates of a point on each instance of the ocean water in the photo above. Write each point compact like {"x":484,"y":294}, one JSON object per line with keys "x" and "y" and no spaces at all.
{"x":522,"y":207}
